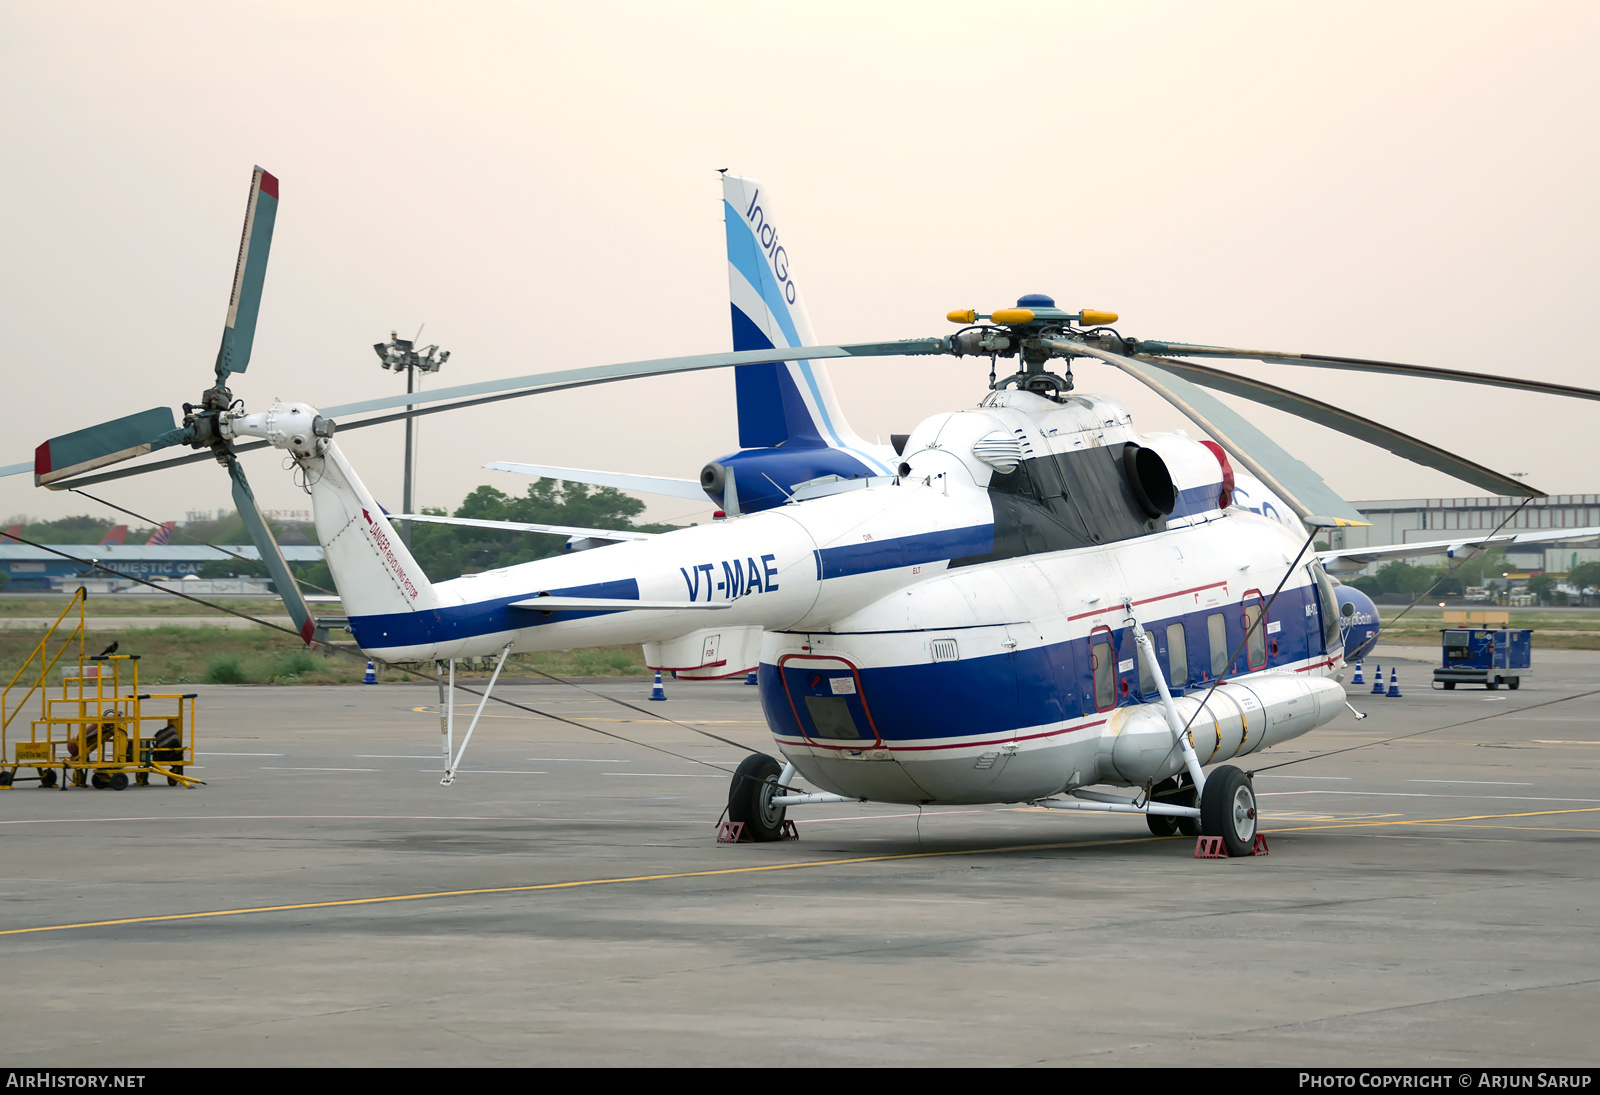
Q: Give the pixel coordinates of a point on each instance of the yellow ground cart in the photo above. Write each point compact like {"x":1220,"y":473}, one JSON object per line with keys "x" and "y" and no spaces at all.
{"x":100,"y":731}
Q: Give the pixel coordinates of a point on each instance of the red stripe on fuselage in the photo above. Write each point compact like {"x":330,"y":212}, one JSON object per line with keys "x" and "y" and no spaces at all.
{"x":1148,"y":600}
{"x":269,"y":183}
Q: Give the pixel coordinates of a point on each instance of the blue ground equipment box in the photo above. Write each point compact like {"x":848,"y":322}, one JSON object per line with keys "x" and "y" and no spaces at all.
{"x":1484,"y":655}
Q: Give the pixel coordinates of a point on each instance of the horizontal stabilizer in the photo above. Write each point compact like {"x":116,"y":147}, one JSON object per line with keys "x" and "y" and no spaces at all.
{"x":521,"y":526}
{"x":644,"y":484}
{"x":594,"y":604}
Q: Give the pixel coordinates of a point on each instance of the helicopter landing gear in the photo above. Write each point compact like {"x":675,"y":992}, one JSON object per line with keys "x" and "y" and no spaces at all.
{"x":750,"y":795}
{"x":1228,"y":809}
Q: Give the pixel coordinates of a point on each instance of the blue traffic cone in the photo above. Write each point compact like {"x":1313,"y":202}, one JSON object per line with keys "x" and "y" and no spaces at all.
{"x":656,"y":691}
{"x":1358,"y":678}
{"x":371,"y":675}
{"x":1394,"y":684}
{"x":1377,"y":682}
{"x":750,"y":678}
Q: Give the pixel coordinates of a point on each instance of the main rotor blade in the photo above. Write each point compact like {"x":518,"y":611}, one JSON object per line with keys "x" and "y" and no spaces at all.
{"x":1358,"y":364}
{"x":1301,"y":488}
{"x":644,"y":484}
{"x":95,"y":447}
{"x":632,"y":370}
{"x":249,"y":273}
{"x":260,"y":535}
{"x":540,"y":384}
{"x":1337,"y":418}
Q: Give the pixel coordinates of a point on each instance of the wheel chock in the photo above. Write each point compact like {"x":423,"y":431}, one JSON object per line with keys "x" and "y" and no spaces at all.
{"x":788,"y":832}
{"x":732,"y":832}
{"x":1211,"y":847}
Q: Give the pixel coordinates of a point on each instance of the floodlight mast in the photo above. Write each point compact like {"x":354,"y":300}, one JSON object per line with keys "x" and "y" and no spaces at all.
{"x":401,"y":353}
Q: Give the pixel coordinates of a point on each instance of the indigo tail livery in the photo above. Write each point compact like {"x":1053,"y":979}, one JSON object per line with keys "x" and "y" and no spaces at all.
{"x":1025,"y":599}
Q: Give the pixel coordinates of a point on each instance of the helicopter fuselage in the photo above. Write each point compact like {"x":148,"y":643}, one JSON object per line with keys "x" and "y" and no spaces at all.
{"x":957,"y":632}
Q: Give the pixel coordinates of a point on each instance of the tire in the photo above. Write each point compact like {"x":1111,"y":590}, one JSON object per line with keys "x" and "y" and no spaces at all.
{"x":1514,"y":683}
{"x":1177,"y":791}
{"x":1161,"y":824}
{"x":47,"y":777}
{"x":755,"y":781}
{"x":6,"y":778}
{"x":1228,"y":809}
{"x":118,"y":781}
{"x":1449,"y":686}
{"x":100,"y":781}
{"x":1491,"y":684}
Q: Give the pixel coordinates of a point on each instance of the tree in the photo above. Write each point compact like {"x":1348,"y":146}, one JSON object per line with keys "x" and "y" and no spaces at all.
{"x":1543,"y":587}
{"x":1585,"y":576}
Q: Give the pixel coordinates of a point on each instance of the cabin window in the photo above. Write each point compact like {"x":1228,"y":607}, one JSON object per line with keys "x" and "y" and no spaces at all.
{"x":1255,"y":646}
{"x":1147,"y":683}
{"x":1177,"y":657}
{"x":1217,"y":629}
{"x":1104,"y":662}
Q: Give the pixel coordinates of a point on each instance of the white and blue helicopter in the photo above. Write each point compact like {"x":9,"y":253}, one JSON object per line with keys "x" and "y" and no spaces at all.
{"x":1018,"y":602}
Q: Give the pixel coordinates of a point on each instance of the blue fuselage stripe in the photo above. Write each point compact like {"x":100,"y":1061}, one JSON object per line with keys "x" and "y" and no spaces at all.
{"x":1039,"y":686}
{"x":904,"y":551}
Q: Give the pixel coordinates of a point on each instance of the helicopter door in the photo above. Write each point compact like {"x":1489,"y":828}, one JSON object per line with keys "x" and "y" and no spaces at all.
{"x":825,"y":695}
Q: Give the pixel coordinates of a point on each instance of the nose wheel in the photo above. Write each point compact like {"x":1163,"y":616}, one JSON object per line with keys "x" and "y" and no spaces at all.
{"x":1228,"y":809}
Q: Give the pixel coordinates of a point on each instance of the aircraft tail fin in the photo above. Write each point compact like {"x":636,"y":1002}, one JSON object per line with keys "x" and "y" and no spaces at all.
{"x":163,"y":535}
{"x":790,"y":403}
{"x":117,"y":535}
{"x":371,"y":567}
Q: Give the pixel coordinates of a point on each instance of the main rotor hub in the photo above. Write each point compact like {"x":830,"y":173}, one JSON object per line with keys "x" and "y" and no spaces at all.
{"x":1033,"y":329}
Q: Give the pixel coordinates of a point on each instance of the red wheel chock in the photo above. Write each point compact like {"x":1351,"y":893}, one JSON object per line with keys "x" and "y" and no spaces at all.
{"x":1211,"y":847}
{"x":733,"y":832}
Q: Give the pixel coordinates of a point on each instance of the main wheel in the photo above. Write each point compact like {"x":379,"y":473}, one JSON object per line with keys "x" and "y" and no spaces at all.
{"x":1161,"y":824}
{"x":1177,"y":791}
{"x":1228,"y":809}
{"x":755,"y":782}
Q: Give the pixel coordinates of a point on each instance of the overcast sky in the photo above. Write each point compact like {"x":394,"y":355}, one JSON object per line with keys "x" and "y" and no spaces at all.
{"x":537,"y":183}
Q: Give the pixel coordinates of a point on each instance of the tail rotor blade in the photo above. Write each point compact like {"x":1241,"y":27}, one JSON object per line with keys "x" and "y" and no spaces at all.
{"x":239,"y":332}
{"x":109,"y":442}
{"x":271,"y":555}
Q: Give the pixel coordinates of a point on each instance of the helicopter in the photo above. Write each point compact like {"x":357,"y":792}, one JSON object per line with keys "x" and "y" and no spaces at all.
{"x":1017,"y":602}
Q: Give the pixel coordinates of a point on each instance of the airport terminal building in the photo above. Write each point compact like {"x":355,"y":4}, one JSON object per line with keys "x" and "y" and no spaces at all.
{"x":35,"y":568}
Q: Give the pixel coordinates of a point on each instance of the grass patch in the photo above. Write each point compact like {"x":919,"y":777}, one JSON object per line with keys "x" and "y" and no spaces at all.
{"x":174,"y":655}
